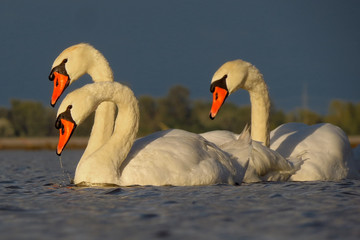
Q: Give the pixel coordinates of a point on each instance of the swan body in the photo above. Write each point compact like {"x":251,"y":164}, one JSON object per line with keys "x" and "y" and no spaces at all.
{"x":323,"y":148}
{"x":177,"y":157}
{"x":171,"y":157}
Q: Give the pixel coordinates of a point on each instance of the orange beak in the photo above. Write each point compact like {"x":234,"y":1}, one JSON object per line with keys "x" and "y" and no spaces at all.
{"x":219,"y":96}
{"x":65,"y":132}
{"x":66,"y":126}
{"x":61,"y":82}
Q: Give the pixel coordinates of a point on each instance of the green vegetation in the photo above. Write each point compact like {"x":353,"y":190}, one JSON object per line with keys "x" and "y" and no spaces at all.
{"x":175,"y":110}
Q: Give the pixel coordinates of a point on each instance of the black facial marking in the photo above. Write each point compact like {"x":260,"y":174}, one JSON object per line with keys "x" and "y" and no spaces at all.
{"x":219,"y":83}
{"x":65,"y":115}
{"x":60,"y":69}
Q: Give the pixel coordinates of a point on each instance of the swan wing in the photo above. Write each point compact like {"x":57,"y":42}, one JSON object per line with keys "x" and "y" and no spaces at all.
{"x":219,"y":137}
{"x":176,"y":157}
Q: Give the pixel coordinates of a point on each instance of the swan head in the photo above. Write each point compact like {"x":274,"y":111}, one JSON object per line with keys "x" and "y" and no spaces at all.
{"x":69,"y":66}
{"x":227,"y":79}
{"x":73,"y":110}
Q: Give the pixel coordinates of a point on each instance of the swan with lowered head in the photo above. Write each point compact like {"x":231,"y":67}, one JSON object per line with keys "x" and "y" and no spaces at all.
{"x":265,"y":164}
{"x":171,"y":157}
{"x":324,"y":148}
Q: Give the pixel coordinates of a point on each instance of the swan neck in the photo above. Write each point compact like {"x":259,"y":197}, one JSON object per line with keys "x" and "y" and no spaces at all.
{"x":260,"y":110}
{"x":103,"y":127}
{"x":102,"y":161}
{"x":99,"y":69}
{"x":125,"y":128}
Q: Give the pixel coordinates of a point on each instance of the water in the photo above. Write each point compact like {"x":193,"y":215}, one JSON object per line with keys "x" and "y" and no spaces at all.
{"x":36,"y":202}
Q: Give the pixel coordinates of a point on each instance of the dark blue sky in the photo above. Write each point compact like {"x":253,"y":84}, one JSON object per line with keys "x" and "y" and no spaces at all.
{"x":153,"y":45}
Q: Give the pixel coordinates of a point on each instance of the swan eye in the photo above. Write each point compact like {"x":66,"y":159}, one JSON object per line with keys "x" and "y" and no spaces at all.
{"x":65,"y":60}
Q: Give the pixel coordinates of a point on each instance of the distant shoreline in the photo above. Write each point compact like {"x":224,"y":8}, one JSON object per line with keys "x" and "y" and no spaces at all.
{"x":75,"y":143}
{"x":354,"y":140}
{"x":40,"y":143}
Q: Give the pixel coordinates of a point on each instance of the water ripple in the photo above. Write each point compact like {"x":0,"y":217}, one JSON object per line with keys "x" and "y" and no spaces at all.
{"x":35,"y":197}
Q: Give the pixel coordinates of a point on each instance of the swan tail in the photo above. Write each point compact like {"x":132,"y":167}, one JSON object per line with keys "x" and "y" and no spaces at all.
{"x":284,"y":170}
{"x":245,"y":135}
{"x":241,"y":143}
{"x":296,"y":163}
{"x":269,"y":165}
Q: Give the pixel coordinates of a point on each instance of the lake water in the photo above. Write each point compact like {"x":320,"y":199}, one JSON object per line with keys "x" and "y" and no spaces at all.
{"x":36,"y":202}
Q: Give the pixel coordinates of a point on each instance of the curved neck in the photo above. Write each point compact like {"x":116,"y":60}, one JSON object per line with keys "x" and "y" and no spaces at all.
{"x":125,"y":131}
{"x":260,"y":107}
{"x":99,"y":68}
{"x":102,"y":129}
{"x":103,"y":164}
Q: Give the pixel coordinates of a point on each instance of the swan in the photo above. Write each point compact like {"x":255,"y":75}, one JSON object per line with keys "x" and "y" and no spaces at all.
{"x":71,"y":64}
{"x":170,"y":157}
{"x":324,"y":148}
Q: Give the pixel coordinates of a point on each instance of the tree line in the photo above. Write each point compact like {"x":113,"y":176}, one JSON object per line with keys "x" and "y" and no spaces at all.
{"x":175,"y":110}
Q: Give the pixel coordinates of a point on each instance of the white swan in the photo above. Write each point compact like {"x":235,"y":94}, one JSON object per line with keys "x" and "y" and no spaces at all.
{"x":172,"y":157}
{"x":265,"y":164}
{"x":324,"y":148}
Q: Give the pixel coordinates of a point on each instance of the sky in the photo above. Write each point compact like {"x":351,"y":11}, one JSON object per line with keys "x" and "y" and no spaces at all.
{"x":302,"y":47}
